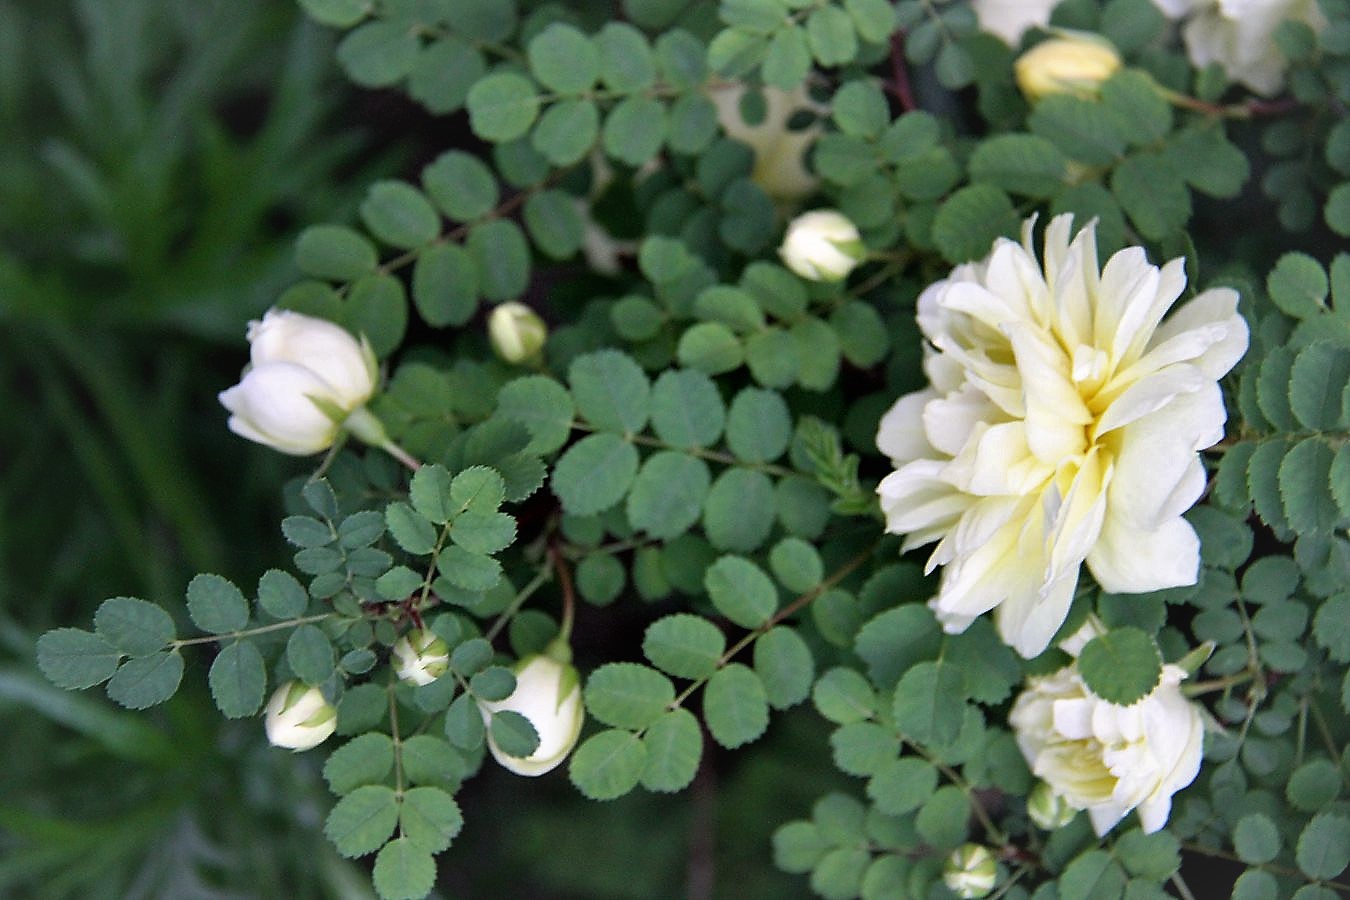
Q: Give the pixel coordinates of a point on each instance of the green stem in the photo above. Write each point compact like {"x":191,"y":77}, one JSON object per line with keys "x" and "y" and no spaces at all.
{"x":544,"y":574}
{"x":249,"y":632}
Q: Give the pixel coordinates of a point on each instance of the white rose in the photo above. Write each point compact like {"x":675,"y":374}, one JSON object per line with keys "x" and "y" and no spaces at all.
{"x":1061,"y":428}
{"x":298,"y":717}
{"x":548,"y":693}
{"x":780,"y":152}
{"x":1010,"y":19}
{"x":1076,"y":64}
{"x":306,"y":377}
{"x":970,"y":872}
{"x":420,"y":657}
{"x":1239,"y":35}
{"x":516,"y":332}
{"x":822,"y":245}
{"x":1110,"y":759}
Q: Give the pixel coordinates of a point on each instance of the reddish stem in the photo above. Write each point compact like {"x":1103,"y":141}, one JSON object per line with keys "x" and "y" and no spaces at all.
{"x":899,"y":83}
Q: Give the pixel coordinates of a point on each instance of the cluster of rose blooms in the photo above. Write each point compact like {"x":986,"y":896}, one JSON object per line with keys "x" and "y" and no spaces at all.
{"x":1062,"y":425}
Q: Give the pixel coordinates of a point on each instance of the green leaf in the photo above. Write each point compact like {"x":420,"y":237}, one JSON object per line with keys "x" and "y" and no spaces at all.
{"x":741,"y":591}
{"x":334,"y":253}
{"x":564,"y":59}
{"x":429,"y":818}
{"x":817,"y":354}
{"x":483,"y":532}
{"x":1255,"y":884}
{"x":634,"y":130}
{"x":611,"y":391}
{"x":796,"y":564}
{"x":667,"y":497}
{"x":798,"y":847}
{"x":310,"y":654}
{"x":628,"y":695}
{"x":378,"y":54}
{"x":545,"y":408}
{"x":930,"y":703}
{"x":1209,"y":162}
{"x":410,"y":529}
{"x":863,"y":748}
{"x":430,"y":760}
{"x":444,"y":71}
{"x":135,"y":627}
{"x":499,"y":250}
{"x":896,"y":640}
{"x":787,"y":59}
{"x":942,"y":821}
{"x":684,"y":645}
{"x":1272,"y":388}
{"x":143,"y":682}
{"x":1316,"y":382}
{"x":1083,"y":129}
{"x":364,"y":760}
{"x":863,"y":336}
{"x":1262,"y":479}
{"x":429,"y":492}
{"x":1313,"y":785}
{"x":734,"y":52}
{"x":470,"y":571}
{"x":1024,"y":164}
{"x":1331,"y":628}
{"x":739,"y":512}
{"x":445,"y":285}
{"x":238,"y":680}
{"x":400,"y":215}
{"x":461,"y":185}
{"x":1304,"y":476}
{"x":687,"y":409}
{"x":735,"y":706}
{"x":494,"y":684}
{"x":216,"y":605}
{"x":280,"y":595}
{"x":514,"y":734}
{"x":1093,"y":874}
{"x":970,"y":219}
{"x":1324,"y":846}
{"x":74,"y":659}
{"x":552,"y":219}
{"x":1152,"y":856}
{"x":1137,"y":107}
{"x":595,"y":473}
{"x":785,"y":665}
{"x":626,"y":61}
{"x":903,"y":785}
{"x":464,"y":723}
{"x":404,"y":870}
{"x":674,"y":747}
{"x":377,"y":307}
{"x":566,"y":131}
{"x":361,"y":708}
{"x":831,"y":35}
{"x":360,"y":529}
{"x":842,"y":696}
{"x":608,"y":765}
{"x":1122,"y":666}
{"x":860,"y":109}
{"x":691,"y":123}
{"x":1298,"y":285}
{"x":336,"y":13}
{"x":502,"y":107}
{"x":1153,"y":194}
{"x":874,"y":19}
{"x":710,"y":347}
{"x":771,"y":356}
{"x":759,"y":425}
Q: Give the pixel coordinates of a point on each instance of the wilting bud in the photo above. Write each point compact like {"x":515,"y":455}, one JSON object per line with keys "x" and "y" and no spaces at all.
{"x":1074,"y":64}
{"x":822,"y":245}
{"x":420,"y":657}
{"x":298,"y":717}
{"x":970,"y":871}
{"x":516,"y":332}
{"x":307,"y":379}
{"x":1048,"y":810}
{"x":548,"y":693}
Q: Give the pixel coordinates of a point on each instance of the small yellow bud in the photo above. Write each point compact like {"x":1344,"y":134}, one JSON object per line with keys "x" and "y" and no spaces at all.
{"x":971,"y":871}
{"x":516,"y":332}
{"x":1074,"y":64}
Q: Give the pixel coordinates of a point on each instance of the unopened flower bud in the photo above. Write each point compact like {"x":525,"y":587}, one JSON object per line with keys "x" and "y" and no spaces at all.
{"x":1076,"y":64}
{"x":548,"y":694}
{"x":298,"y":717}
{"x":1048,"y":810}
{"x":516,"y":332}
{"x":970,"y":871}
{"x":822,"y":245}
{"x":420,"y":657}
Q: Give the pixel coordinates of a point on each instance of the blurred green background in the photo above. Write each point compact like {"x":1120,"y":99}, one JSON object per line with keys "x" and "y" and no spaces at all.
{"x":157,"y":158}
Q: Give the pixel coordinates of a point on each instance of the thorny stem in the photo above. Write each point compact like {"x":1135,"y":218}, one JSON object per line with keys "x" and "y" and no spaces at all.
{"x":1269,"y":867}
{"x":1248,"y":109}
{"x":249,"y":632}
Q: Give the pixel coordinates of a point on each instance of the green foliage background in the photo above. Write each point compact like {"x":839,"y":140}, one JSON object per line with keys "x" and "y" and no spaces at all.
{"x":691,"y":447}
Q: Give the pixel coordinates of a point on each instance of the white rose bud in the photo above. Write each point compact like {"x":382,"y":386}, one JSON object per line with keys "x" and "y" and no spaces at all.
{"x":1110,"y":759}
{"x":822,"y":245}
{"x":516,"y":332}
{"x":298,"y":717}
{"x":1048,"y":810}
{"x":1075,"y":64}
{"x":970,"y":871}
{"x":307,"y":378}
{"x":420,"y":657}
{"x":548,"y":693}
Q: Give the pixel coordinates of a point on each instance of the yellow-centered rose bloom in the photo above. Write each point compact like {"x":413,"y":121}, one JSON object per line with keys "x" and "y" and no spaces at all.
{"x":1062,"y":426}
